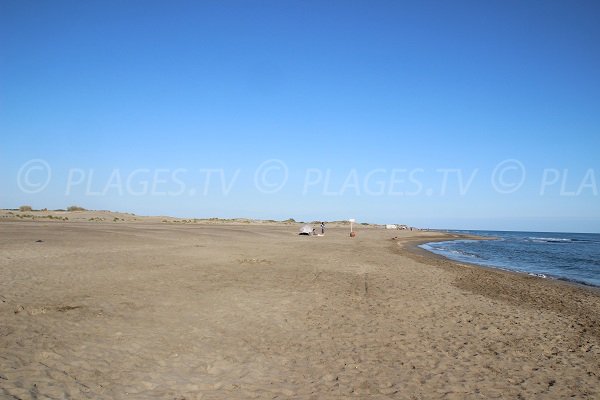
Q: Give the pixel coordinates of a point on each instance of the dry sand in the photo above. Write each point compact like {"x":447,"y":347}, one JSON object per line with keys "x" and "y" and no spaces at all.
{"x":144,"y":309}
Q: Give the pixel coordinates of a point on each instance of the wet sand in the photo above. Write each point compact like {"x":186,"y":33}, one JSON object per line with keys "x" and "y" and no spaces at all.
{"x":145,"y":309}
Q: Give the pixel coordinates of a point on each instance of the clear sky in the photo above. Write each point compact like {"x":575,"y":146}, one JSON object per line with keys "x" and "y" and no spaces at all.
{"x":447,"y":114}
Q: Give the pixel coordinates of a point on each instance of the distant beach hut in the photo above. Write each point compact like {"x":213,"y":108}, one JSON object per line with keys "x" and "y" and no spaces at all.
{"x":306,"y":230}
{"x":391,"y":226}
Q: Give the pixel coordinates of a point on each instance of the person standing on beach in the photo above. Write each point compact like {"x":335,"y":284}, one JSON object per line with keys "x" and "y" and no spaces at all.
{"x":322,"y":228}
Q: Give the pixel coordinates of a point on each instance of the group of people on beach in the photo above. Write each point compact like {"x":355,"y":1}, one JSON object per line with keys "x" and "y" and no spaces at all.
{"x":322,"y":229}
{"x":309,"y":230}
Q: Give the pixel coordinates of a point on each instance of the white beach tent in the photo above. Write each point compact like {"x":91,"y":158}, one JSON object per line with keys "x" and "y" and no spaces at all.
{"x":306,"y":230}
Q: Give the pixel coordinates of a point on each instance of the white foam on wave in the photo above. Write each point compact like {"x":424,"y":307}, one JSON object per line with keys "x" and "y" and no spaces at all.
{"x":464,"y":253}
{"x":538,"y":275}
{"x":549,"y":240}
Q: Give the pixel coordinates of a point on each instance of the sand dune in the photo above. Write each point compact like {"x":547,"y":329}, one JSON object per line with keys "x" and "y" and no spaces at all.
{"x":146,"y":309}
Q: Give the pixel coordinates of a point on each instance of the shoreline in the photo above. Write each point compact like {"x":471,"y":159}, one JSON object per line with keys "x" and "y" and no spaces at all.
{"x":513,"y":286}
{"x":497,"y":268}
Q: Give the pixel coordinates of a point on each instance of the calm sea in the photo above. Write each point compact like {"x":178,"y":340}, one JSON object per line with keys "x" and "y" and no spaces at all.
{"x":572,"y":257}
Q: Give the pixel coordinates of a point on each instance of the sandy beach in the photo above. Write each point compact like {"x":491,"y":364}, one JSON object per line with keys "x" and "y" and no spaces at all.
{"x":125,"y":307}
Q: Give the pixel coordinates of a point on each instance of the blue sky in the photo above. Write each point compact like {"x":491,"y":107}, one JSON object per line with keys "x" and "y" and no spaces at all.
{"x":363,"y":105}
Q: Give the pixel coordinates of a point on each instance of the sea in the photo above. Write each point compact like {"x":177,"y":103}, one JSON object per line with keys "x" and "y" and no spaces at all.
{"x":573,"y":257}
